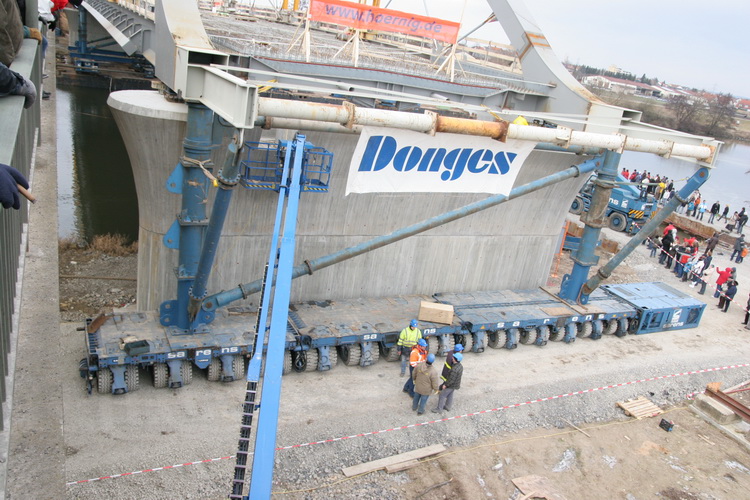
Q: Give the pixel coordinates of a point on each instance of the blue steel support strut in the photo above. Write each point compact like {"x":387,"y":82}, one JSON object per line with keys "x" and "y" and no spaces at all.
{"x":192,"y":217}
{"x":265,"y":439}
{"x":212,"y":302}
{"x":227,"y":178}
{"x":585,"y":257}
{"x":693,"y":183}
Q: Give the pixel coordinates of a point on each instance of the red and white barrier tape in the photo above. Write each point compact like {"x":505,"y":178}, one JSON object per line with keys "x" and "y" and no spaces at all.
{"x":410,"y":426}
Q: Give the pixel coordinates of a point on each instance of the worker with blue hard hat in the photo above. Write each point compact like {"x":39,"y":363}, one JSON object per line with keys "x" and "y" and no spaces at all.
{"x":417,"y":355}
{"x":426,"y":382}
{"x":407,"y":339}
{"x":450,"y":378}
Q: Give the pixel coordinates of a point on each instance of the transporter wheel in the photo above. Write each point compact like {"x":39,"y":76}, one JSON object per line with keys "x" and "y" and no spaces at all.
{"x":160,"y":375}
{"x":542,"y":335}
{"x":104,"y":381}
{"x":214,"y":370}
{"x":511,"y":338}
{"x":186,"y":370}
{"x":390,"y":353}
{"x":333,"y":356}
{"x":287,"y":363}
{"x":238,"y":366}
{"x":556,"y":334}
{"x":577,"y":206}
{"x":585,"y":329}
{"x":132,"y":378}
{"x":450,"y":342}
{"x":617,"y":222}
{"x":376,"y":354}
{"x":350,"y":354}
{"x":433,"y":344}
{"x":493,"y":339}
{"x":622,"y":327}
{"x":610,"y":327}
{"x":311,"y":356}
{"x":527,"y":336}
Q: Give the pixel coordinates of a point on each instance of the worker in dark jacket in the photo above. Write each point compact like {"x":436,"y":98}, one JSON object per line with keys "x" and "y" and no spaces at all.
{"x":727,"y":296}
{"x":450,"y":384}
{"x":449,"y":361}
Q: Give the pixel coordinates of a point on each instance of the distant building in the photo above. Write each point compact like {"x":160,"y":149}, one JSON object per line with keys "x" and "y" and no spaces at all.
{"x":622,"y":86}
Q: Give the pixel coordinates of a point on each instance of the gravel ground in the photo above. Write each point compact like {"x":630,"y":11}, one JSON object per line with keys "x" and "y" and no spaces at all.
{"x":154,"y":428}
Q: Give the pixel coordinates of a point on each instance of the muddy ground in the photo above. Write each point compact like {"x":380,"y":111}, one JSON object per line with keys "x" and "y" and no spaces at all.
{"x":510,"y":418}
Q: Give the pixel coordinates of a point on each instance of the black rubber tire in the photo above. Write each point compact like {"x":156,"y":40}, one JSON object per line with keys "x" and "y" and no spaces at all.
{"x":577,"y":206}
{"x":238,"y":366}
{"x":132,"y":378}
{"x":312,"y":360}
{"x":186,"y":370}
{"x":104,"y":381}
{"x":160,"y":375}
{"x":494,"y":339}
{"x":287,"y":363}
{"x":432,"y":345}
{"x":617,"y":222}
{"x":214,"y":370}
{"x":526,"y":337}
{"x":350,"y":354}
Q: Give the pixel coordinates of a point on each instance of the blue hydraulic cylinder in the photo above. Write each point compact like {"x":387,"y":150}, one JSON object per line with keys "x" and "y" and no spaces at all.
{"x":265,"y":439}
{"x":604,"y":272}
{"x":584,"y":257}
{"x":192,"y":216}
{"x":223,"y":298}
{"x":227,"y":179}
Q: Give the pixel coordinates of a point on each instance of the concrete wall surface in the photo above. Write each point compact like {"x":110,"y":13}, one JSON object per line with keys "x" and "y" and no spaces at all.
{"x":508,"y":246}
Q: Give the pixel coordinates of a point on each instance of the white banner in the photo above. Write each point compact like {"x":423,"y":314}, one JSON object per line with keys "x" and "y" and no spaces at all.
{"x":402,"y":161}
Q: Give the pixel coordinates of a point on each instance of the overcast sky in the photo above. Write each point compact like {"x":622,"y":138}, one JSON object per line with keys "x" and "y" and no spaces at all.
{"x":698,"y":44}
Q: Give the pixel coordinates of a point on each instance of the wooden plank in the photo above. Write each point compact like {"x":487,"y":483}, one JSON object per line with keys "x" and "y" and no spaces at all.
{"x":557,"y":311}
{"x":394,"y":459}
{"x":390,"y":469}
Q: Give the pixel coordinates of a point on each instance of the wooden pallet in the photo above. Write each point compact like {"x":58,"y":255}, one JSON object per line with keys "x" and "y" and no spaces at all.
{"x":640,"y":408}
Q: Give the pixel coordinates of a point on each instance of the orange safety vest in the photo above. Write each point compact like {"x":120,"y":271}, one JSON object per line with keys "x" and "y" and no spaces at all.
{"x":418,"y":354}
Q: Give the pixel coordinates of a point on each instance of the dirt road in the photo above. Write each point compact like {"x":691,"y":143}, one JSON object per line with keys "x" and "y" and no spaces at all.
{"x":510,"y":419}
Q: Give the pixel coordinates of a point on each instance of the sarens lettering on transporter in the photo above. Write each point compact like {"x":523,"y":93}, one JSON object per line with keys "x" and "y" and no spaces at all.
{"x":392,"y":160}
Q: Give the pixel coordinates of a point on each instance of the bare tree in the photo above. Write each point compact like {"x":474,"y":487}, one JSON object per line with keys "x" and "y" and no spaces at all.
{"x":685,"y":113}
{"x":719,"y":117}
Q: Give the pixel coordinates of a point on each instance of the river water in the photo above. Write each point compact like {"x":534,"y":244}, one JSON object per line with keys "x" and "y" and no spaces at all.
{"x":97,"y":193}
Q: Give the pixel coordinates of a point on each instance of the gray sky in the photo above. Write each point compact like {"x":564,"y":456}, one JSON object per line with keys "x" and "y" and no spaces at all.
{"x":698,"y":44}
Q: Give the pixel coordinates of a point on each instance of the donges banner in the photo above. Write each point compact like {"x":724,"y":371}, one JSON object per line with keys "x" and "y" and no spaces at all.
{"x":365,"y":17}
{"x":403,"y":161}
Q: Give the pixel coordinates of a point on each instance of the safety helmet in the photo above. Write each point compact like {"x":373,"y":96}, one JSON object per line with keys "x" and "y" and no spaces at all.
{"x":458,"y":357}
{"x":413,"y":323}
{"x":422,"y":342}
{"x":430,"y":359}
{"x":458,"y":348}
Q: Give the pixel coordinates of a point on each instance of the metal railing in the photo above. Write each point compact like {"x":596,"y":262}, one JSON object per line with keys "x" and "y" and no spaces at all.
{"x":17,"y":146}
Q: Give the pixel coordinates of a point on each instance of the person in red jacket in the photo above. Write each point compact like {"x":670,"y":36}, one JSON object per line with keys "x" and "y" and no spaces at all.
{"x":723,"y":277}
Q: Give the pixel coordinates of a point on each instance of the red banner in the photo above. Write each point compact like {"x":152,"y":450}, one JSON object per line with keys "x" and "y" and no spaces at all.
{"x":366,"y":17}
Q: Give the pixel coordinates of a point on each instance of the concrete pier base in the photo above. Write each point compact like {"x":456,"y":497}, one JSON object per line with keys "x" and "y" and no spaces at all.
{"x":508,"y":246}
